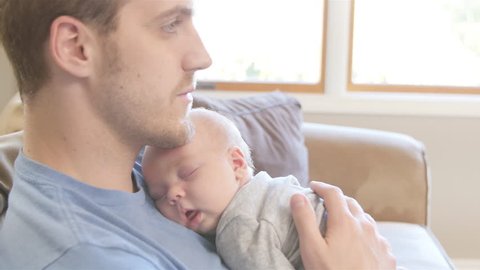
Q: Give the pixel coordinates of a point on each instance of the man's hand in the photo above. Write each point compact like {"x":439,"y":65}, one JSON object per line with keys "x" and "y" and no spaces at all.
{"x":352,"y":240}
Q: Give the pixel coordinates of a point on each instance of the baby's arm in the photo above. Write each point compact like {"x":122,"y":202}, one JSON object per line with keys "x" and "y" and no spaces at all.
{"x":245,"y":243}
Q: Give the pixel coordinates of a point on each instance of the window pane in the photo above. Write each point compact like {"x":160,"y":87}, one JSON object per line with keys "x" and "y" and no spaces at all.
{"x":417,"y":42}
{"x":273,"y":41}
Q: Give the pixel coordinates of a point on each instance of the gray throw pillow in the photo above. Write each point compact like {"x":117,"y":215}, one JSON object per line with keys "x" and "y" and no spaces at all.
{"x":271,"y":125}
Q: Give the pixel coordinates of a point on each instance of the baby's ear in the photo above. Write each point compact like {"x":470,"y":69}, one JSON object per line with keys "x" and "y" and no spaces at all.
{"x":239,"y":164}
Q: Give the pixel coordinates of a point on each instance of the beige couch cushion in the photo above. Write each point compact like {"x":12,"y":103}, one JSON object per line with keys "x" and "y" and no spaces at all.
{"x":11,"y":117}
{"x":386,"y":172}
{"x":414,"y":246}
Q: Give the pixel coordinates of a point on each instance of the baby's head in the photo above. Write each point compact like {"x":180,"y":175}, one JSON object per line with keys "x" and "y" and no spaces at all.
{"x":193,"y":184}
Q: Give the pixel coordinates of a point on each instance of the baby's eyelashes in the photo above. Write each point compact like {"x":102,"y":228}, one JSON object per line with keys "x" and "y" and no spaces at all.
{"x":185,"y":173}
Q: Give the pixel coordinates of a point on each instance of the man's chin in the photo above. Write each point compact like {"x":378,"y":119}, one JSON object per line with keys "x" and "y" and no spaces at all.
{"x":173,"y":139}
{"x":169,"y":142}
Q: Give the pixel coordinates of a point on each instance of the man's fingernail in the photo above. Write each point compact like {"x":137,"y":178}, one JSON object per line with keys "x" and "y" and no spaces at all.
{"x":299,"y":201}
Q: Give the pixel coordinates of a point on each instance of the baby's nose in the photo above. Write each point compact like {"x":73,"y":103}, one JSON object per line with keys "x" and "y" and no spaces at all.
{"x":175,"y":194}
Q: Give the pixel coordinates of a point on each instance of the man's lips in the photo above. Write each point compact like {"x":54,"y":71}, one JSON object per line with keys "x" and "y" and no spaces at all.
{"x":187,"y":90}
{"x":187,"y":94}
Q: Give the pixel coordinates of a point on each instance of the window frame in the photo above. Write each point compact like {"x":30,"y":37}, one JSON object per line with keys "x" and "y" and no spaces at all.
{"x":395,"y":88}
{"x":317,"y":88}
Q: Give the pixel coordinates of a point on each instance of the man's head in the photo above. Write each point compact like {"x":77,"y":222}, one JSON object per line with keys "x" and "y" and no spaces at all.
{"x":127,"y":64}
{"x":25,"y":30}
{"x":194,"y":183}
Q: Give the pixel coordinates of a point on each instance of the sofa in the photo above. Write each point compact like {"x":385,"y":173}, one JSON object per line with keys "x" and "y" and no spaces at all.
{"x":386,"y":172}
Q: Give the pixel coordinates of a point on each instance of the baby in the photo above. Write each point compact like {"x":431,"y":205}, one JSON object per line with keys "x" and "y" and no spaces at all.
{"x":208,"y":186}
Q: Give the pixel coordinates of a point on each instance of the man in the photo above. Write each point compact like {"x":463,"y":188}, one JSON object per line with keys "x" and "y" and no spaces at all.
{"x":92,"y":74}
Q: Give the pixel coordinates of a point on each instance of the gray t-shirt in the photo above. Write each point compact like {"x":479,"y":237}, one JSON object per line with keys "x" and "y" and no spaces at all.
{"x":56,"y":222}
{"x":257,"y":231}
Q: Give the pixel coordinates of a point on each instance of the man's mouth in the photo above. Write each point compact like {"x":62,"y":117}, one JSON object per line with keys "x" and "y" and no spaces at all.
{"x":188,"y":89}
{"x":187,"y":94}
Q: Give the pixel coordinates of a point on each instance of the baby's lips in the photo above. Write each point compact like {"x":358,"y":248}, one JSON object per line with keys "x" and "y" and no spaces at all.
{"x":194,"y":220}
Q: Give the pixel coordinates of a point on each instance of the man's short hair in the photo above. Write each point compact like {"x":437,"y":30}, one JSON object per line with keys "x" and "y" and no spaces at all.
{"x":25,"y":28}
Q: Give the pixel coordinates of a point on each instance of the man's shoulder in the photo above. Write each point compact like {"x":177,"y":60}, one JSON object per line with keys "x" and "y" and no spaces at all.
{"x":51,"y":216}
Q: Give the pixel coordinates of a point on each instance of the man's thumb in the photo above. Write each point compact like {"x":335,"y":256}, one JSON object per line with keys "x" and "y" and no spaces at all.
{"x":304,"y":218}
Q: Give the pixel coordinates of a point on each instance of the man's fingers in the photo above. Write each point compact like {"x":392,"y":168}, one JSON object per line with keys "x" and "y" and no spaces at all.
{"x":310,"y":240}
{"x":305,"y":220}
{"x":370,"y":218}
{"x":354,"y":206}
{"x":352,"y":240}
{"x":334,"y":200}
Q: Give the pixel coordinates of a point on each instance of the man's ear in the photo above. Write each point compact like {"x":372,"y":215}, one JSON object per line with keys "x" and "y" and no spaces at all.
{"x":239,"y":164}
{"x":71,"y":46}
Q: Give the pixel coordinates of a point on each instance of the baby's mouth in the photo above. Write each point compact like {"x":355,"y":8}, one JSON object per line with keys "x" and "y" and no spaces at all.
{"x":190,"y":214}
{"x":193,"y":219}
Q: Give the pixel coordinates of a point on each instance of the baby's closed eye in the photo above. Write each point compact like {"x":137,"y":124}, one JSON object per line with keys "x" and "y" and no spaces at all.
{"x":186,"y":173}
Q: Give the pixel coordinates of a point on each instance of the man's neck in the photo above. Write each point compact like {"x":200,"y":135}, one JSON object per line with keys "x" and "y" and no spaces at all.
{"x":69,"y":138}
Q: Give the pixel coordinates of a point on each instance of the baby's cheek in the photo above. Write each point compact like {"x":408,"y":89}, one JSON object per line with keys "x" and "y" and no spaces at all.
{"x":162,"y":208}
{"x":168,"y":211}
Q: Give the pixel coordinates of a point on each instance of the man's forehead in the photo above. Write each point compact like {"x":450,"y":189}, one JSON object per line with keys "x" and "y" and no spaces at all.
{"x":160,"y":5}
{"x":152,"y":11}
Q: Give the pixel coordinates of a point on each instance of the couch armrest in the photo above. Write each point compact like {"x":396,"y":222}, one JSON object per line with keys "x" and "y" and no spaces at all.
{"x":10,"y":146}
{"x":11,"y":116}
{"x":385,"y":171}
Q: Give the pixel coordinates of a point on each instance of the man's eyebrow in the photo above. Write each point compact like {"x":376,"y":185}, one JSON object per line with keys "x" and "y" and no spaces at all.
{"x":177,"y":10}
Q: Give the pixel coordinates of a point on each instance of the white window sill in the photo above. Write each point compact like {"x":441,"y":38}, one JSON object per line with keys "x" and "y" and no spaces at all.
{"x":379,"y":103}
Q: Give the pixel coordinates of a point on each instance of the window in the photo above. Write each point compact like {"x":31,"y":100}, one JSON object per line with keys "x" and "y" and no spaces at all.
{"x":262,"y":45}
{"x":415,"y":45}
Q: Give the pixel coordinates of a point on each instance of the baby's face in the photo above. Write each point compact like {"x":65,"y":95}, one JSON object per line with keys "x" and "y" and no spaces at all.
{"x":193,"y":184}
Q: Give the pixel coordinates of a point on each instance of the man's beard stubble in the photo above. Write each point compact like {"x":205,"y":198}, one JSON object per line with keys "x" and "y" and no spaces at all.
{"x":168,"y":140}
{"x":174,"y":132}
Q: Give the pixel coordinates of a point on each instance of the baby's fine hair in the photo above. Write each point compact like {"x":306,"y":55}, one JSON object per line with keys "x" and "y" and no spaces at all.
{"x":221,"y":124}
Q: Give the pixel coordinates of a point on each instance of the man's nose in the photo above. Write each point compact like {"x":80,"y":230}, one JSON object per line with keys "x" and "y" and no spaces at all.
{"x":197,"y":57}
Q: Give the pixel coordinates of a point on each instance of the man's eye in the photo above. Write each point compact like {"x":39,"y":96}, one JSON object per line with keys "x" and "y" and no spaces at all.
{"x":171,"y":27}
